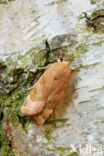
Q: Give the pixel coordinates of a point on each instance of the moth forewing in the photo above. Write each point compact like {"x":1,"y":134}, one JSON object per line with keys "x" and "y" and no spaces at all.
{"x":47,"y":92}
{"x":35,"y":101}
{"x":60,"y":81}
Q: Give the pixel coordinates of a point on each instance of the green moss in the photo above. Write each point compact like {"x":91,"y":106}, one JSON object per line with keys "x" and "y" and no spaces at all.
{"x":99,"y":43}
{"x":47,"y":134}
{"x":66,"y":151}
{"x":102,"y":122}
{"x":49,"y":149}
{"x":56,"y":120}
{"x":5,"y":2}
{"x":73,"y":154}
{"x":100,"y":108}
{"x":10,"y":104}
{"x":101,"y":143}
{"x":10,"y":0}
{"x":57,"y":2}
{"x":40,"y":58}
{"x":63,"y":149}
{"x":5,"y":149}
{"x":82,"y":67}
{"x":82,"y":49}
{"x":63,"y":1}
{"x":62,"y":120}
{"x":70,"y":57}
{"x":52,"y":57}
{"x":15,"y":79}
{"x":14,"y":101}
{"x":74,"y":70}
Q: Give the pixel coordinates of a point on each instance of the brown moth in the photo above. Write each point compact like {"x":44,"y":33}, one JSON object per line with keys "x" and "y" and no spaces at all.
{"x":47,"y":92}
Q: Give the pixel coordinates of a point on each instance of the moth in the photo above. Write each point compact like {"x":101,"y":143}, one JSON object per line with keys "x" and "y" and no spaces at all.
{"x":47,"y":92}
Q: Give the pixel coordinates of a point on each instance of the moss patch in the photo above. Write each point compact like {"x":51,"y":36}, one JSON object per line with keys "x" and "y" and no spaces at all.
{"x":5,"y":2}
{"x":63,"y":151}
{"x":18,"y":74}
{"x":57,"y":2}
{"x":47,"y":134}
{"x":74,"y":154}
{"x":57,"y":120}
{"x":82,"y":49}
